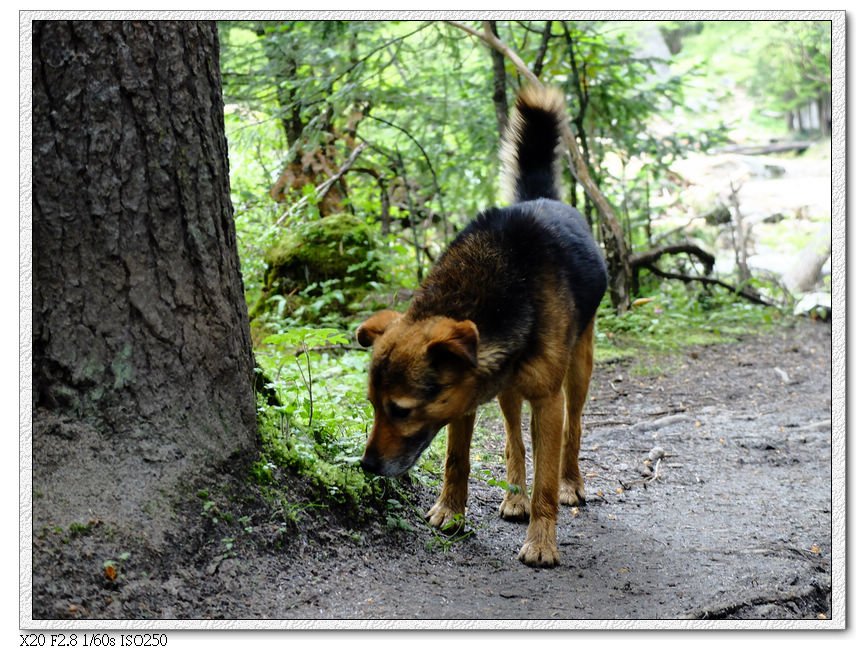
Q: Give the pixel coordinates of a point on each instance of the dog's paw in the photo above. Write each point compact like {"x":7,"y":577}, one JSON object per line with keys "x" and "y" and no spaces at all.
{"x":572,"y":493}
{"x":515,"y":507}
{"x":537,"y":554}
{"x":444,"y":517}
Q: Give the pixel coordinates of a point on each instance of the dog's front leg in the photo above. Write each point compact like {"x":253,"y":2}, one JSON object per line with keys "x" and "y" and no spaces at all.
{"x":515,"y":505}
{"x":455,"y":490}
{"x":547,"y":420}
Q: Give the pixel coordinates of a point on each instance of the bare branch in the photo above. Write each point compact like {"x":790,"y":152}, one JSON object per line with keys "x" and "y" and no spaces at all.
{"x":500,"y":94}
{"x":640,"y":260}
{"x":408,"y":134}
{"x":324,"y":187}
{"x":497,"y":44}
{"x":743,"y":292}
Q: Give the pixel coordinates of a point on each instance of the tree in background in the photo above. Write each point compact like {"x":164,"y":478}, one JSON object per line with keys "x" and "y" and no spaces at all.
{"x":794,"y":75}
{"x":142,"y":362}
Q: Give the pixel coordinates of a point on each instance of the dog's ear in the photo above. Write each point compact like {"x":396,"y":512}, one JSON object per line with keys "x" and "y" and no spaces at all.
{"x":374,"y":326}
{"x":455,"y":339}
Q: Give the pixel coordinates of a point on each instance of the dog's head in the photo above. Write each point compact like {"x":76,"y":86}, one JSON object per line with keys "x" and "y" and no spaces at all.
{"x":421,"y":377}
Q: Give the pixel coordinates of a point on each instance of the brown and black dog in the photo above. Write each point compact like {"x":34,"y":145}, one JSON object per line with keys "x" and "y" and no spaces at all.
{"x":508,"y":310}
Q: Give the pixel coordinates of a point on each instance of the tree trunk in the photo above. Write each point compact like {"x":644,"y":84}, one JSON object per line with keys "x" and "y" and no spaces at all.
{"x":284,"y":66}
{"x":580,"y":84}
{"x":826,"y":115}
{"x":500,"y":87}
{"x":142,"y":362}
{"x":542,"y":49}
{"x":805,"y":270}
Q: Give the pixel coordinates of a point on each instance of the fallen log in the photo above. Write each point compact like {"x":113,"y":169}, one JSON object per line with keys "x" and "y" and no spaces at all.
{"x":764,"y":149}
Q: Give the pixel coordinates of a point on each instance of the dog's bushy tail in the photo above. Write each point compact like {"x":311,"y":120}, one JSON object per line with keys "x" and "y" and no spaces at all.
{"x":531,"y":147}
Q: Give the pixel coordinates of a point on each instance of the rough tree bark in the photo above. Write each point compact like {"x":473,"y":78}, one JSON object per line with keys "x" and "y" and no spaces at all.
{"x":142,"y":362}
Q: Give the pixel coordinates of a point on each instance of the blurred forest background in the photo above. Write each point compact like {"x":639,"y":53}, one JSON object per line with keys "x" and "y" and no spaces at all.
{"x":358,"y":150}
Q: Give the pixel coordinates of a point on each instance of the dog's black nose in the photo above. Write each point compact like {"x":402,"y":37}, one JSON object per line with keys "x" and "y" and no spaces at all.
{"x":370,"y":464}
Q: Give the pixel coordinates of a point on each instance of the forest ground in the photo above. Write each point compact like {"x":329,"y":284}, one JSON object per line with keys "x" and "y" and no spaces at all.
{"x":734,"y":523}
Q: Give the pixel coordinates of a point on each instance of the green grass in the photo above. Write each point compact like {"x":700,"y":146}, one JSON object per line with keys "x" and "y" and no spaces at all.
{"x":319,"y":429}
{"x":677,"y":317}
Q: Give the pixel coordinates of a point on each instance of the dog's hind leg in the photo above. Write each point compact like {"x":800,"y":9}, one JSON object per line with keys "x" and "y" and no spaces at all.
{"x":455,"y":490}
{"x":515,"y":505}
{"x":572,"y":490}
{"x":547,"y":419}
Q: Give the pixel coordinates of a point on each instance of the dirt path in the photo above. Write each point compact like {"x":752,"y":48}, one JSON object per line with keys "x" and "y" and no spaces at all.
{"x":736,"y":522}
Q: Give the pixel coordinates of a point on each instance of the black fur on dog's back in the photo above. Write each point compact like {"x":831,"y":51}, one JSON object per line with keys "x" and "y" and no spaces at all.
{"x":496,"y":271}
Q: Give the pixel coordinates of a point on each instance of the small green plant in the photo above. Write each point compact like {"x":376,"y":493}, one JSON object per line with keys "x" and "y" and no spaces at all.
{"x":262,"y":472}
{"x":395,"y":516}
{"x":209,"y":509}
{"x":245,"y":522}
{"x":77,"y":529}
{"x":301,"y":344}
{"x":486,"y":475}
{"x":292,"y":512}
{"x":443,"y":539}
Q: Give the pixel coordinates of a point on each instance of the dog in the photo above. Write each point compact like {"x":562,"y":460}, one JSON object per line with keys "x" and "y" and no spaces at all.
{"x":507,"y":311}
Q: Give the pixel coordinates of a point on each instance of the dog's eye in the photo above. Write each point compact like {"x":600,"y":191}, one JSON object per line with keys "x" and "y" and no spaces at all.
{"x":398,"y":412}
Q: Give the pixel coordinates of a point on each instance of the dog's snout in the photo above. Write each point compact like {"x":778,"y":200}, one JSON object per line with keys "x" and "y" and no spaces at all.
{"x":371,"y":464}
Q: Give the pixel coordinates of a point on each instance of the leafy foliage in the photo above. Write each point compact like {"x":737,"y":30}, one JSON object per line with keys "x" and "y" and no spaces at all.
{"x":319,"y":428}
{"x":782,"y":65}
{"x":392,"y":125}
{"x":795,"y":64}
